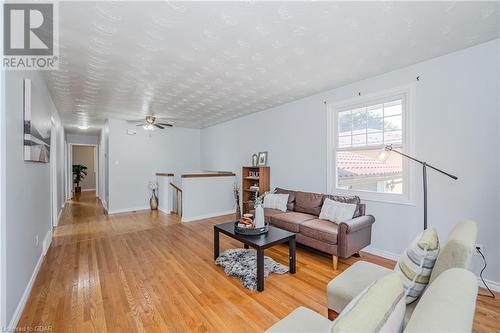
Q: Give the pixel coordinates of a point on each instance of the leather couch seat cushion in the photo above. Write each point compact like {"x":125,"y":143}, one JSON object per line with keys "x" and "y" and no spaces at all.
{"x":291,"y":220}
{"x":321,"y":230}
{"x":309,"y":203}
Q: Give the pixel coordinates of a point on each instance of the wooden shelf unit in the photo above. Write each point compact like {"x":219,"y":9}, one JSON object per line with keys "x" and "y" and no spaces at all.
{"x":263,"y":181}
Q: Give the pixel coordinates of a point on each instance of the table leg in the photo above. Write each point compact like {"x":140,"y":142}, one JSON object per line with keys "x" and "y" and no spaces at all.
{"x":216,"y":244}
{"x":291,"y":254}
{"x":245,"y":246}
{"x":260,"y":269}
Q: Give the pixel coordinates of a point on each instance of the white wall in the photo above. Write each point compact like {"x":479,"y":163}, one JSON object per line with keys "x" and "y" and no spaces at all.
{"x":135,"y":159}
{"x":28,"y":185}
{"x":456,"y":128}
{"x":82,"y":139}
{"x":204,"y":197}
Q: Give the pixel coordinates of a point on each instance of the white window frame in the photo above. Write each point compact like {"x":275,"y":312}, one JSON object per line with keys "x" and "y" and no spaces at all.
{"x":408,"y":125}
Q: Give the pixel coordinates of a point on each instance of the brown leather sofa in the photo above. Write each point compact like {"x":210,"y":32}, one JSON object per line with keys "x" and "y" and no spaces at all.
{"x":340,"y":240}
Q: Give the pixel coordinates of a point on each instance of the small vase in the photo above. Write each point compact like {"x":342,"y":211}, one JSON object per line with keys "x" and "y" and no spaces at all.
{"x":238,"y":211}
{"x":258,"y":220}
{"x":153,"y":202}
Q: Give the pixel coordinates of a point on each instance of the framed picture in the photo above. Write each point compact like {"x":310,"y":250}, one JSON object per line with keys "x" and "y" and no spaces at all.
{"x":37,"y":126}
{"x":255,"y":159}
{"x":262,"y":161}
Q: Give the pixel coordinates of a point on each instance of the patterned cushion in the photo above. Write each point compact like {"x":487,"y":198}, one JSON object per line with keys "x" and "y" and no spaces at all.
{"x":378,"y":308}
{"x":416,"y":263}
{"x":291,"y":197}
{"x":337,"y":212}
{"x":350,"y":200}
{"x":276,"y":201}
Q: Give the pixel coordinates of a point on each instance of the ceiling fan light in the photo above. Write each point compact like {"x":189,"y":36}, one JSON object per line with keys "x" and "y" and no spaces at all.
{"x":148,"y":127}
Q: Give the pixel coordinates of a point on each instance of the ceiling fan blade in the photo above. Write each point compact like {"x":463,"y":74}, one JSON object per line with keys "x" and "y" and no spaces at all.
{"x":135,"y":121}
{"x":158,"y":126}
{"x":165,"y":124}
{"x":140,"y":124}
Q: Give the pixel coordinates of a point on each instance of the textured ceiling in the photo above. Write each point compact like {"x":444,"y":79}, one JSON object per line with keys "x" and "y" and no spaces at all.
{"x":201,"y":63}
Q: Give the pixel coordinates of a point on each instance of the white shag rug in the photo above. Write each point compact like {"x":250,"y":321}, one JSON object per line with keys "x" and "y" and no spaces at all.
{"x":242,"y":264}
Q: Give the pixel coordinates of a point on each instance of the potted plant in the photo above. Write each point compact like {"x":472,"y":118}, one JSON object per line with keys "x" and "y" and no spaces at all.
{"x":79,"y":173}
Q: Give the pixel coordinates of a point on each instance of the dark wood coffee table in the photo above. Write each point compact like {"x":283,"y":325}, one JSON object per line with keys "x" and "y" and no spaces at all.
{"x":260,"y":243}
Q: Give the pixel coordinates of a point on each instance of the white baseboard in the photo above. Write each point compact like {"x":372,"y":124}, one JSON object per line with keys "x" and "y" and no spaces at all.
{"x":165,"y":211}
{"x":22,"y":302}
{"x":126,"y":210}
{"x":206,"y":216}
{"x":104,"y":204}
{"x":59,"y":217}
{"x":381,"y":253}
{"x":495,"y":286}
{"x":47,"y":240}
{"x":88,"y":190}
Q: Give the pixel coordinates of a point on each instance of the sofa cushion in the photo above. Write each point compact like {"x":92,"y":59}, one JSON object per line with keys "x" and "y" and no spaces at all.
{"x":336,"y":211}
{"x":349,"y":200}
{"x":378,"y":308}
{"x":269,"y":212}
{"x":307,"y":202}
{"x":321,"y":230}
{"x":347,"y":285}
{"x":291,"y":197}
{"x":301,"y":320}
{"x":291,"y":220}
{"x":276,"y":201}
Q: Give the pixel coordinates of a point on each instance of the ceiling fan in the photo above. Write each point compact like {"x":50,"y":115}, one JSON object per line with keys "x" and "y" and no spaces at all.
{"x":151,"y":122}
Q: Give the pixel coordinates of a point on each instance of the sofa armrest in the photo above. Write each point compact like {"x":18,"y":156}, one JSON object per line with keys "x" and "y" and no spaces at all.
{"x":357,"y":223}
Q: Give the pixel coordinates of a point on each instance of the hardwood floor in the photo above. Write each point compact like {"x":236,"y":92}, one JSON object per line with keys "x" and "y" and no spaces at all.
{"x":145,"y":271}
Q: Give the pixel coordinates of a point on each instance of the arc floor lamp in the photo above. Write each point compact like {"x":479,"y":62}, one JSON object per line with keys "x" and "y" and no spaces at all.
{"x":388,"y":149}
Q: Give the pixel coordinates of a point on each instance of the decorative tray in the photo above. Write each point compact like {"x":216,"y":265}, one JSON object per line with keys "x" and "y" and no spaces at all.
{"x":250,"y":231}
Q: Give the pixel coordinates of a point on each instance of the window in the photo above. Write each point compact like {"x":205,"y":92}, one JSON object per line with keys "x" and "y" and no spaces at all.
{"x":358,"y":132}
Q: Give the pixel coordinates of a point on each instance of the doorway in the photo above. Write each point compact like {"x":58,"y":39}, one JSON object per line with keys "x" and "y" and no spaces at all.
{"x":85,"y":155}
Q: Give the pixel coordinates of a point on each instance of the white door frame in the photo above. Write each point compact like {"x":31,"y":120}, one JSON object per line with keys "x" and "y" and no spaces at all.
{"x":53,"y":175}
{"x":96,"y":165}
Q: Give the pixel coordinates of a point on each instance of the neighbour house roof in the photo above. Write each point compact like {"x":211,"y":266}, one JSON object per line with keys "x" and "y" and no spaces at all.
{"x":353,"y":165}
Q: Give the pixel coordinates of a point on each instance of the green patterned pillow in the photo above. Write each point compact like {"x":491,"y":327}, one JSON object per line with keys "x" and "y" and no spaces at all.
{"x":416,"y":263}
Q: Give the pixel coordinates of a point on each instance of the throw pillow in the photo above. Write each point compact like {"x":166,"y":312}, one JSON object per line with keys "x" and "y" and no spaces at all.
{"x":416,"y":263}
{"x":337,"y":212}
{"x":276,"y":201}
{"x":379,"y":308}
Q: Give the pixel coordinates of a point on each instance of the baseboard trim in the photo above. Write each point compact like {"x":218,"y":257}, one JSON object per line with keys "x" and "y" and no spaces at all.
{"x":381,"y":253}
{"x":495,"y":286}
{"x":165,"y":211}
{"x":127,"y":210}
{"x":59,"y":217}
{"x":47,"y":240}
{"x":89,"y":190}
{"x":206,"y":216}
{"x":24,"y":299}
